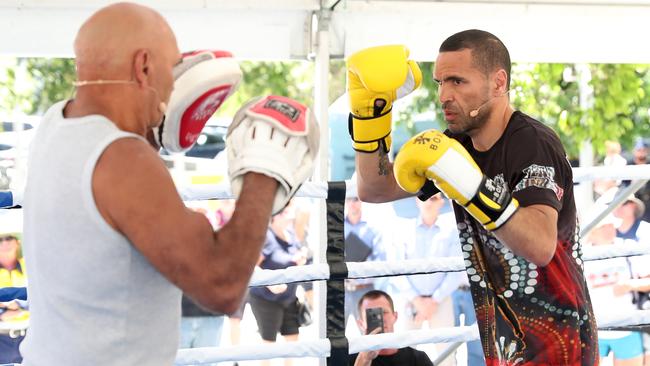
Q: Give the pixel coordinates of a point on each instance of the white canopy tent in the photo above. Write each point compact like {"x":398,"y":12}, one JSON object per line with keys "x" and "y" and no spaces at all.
{"x":534,"y":30}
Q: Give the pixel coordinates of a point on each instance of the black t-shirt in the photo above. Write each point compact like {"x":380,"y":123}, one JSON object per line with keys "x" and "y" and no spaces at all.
{"x":527,"y":314}
{"x":404,"y":357}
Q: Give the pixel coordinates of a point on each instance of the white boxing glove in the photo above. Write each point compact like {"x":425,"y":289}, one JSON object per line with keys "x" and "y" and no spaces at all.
{"x":276,"y":136}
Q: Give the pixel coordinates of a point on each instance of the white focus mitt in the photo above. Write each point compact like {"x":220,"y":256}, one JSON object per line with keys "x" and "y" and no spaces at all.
{"x":202,"y":81}
{"x":275,"y":136}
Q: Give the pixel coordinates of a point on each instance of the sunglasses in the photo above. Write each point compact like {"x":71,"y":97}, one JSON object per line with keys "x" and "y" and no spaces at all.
{"x":7,"y":238}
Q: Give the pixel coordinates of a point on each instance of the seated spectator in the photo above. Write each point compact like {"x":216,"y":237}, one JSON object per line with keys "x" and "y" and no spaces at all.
{"x":388,"y":356}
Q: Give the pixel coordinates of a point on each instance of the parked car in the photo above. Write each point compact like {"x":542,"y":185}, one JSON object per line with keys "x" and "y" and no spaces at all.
{"x":211,"y":141}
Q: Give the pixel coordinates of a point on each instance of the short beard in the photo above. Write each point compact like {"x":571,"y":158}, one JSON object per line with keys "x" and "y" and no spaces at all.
{"x":470,"y":125}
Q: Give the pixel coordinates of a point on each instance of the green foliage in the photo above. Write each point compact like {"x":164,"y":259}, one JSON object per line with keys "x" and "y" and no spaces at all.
{"x":31,"y":85}
{"x":290,"y":78}
{"x":620,"y":102}
{"x":540,"y":91}
{"x":52,"y":81}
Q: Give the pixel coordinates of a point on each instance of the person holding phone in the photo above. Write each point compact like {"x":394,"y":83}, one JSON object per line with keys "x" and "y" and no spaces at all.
{"x":377,"y":315}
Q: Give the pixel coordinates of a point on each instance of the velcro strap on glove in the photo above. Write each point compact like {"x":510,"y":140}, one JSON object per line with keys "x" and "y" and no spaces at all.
{"x":370,"y":134}
{"x":202,"y":82}
{"x":492,"y":205}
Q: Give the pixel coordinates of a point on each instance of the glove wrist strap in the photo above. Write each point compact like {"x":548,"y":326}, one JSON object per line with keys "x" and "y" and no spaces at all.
{"x":370,"y":133}
{"x":492,"y":205}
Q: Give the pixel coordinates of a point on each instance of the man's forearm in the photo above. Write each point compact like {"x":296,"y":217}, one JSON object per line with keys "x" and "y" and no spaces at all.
{"x":531,"y":233}
{"x":375,"y":180}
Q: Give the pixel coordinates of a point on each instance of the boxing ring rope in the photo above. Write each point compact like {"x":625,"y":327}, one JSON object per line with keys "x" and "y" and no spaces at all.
{"x":326,"y":347}
{"x":357,"y":270}
{"x":321,"y":348}
{"x":11,"y":198}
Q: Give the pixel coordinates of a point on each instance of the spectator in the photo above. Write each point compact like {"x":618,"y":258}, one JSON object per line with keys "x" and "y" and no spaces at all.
{"x":388,"y":356}
{"x":632,"y":226}
{"x":613,"y":155}
{"x":12,"y":274}
{"x":301,"y":229}
{"x":363,"y":242}
{"x":276,"y":307}
{"x":429,"y":235}
{"x":640,"y":153}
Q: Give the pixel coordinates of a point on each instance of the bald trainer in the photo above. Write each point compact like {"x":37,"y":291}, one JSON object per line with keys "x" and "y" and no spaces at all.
{"x":109,"y":243}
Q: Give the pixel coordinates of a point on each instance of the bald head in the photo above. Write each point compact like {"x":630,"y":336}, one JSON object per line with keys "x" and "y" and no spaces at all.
{"x":107,"y":41}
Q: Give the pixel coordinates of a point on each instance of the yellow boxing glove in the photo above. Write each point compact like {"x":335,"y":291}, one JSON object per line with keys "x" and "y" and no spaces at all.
{"x":378,"y":76}
{"x":432,"y":155}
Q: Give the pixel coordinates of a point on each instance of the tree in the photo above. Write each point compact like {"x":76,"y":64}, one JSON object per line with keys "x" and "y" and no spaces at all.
{"x":31,"y":85}
{"x":290,"y":78}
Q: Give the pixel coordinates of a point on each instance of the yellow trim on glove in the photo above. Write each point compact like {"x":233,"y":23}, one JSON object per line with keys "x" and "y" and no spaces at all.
{"x":370,"y":147}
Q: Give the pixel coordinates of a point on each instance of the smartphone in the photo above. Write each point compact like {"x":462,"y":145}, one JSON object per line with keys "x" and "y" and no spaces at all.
{"x":374,"y":319}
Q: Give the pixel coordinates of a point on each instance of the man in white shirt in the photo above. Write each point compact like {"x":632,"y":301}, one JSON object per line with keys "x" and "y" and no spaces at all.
{"x":429,"y":235}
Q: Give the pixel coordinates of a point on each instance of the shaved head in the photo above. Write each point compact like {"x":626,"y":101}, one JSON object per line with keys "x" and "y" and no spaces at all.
{"x":107,"y":42}
{"x":125,"y":56}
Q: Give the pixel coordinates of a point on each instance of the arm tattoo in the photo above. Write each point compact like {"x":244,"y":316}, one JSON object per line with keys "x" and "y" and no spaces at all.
{"x":383,"y":162}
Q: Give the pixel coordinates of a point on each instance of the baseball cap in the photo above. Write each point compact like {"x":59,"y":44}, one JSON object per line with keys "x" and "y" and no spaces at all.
{"x":640,"y":206}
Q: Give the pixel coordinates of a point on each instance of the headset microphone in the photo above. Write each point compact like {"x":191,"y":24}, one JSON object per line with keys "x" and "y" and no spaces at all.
{"x":162,"y":106}
{"x":474,"y":113}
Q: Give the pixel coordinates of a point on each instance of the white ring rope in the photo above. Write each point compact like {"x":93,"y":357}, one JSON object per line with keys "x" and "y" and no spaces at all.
{"x":626,"y":172}
{"x":321,"y":348}
{"x":198,"y":192}
{"x":316,"y":272}
{"x":319,"y":189}
{"x":629,"y":318}
{"x":320,"y":271}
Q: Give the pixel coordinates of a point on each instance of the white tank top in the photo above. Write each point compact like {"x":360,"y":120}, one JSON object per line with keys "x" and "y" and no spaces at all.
{"x":94,"y":299}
